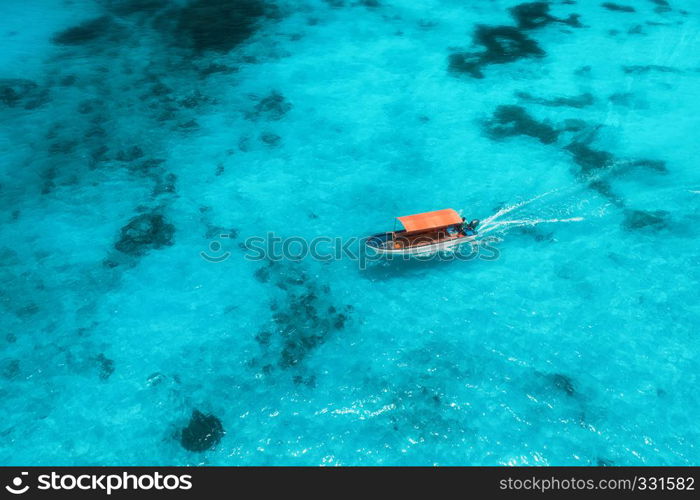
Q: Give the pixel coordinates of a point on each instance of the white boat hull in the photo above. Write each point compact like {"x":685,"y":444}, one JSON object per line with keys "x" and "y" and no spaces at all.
{"x":424,"y":249}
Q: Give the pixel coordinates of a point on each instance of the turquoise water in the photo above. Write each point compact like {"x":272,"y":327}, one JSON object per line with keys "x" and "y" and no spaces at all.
{"x":135,"y":132}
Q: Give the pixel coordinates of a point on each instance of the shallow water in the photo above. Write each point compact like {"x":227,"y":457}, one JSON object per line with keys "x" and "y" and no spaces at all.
{"x":134,"y":133}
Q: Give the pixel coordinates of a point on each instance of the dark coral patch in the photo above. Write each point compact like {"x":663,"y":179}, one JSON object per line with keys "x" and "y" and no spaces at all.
{"x":68,"y":80}
{"x":21,"y":92}
{"x":48,"y":178}
{"x":307,"y":381}
{"x":642,"y":220}
{"x":579,"y":101}
{"x":143,"y":233}
{"x":604,"y":189}
{"x":534,"y":15}
{"x":618,"y":8}
{"x":218,"y":25}
{"x":501,"y":44}
{"x":466,"y":63}
{"x":573,"y":125}
{"x":564,"y":383}
{"x":656,"y":165}
{"x":661,"y":6}
{"x":262,"y":275}
{"x":194,"y":100}
{"x":147,"y":167}
{"x":303,"y":321}
{"x":531,"y":15}
{"x":583,"y":71}
{"x":214,"y":230}
{"x":164,"y":184}
{"x":66,"y":146}
{"x":188,"y":125}
{"x":535,"y":232}
{"x":304,"y":327}
{"x":505,"y":44}
{"x":271,"y":107}
{"x":29,"y":309}
{"x":106,"y":366}
{"x":87,"y":32}
{"x":130,"y":154}
{"x":590,"y":159}
{"x":509,"y":121}
{"x":573,"y":21}
{"x":270,"y":139}
{"x":640,"y":69}
{"x":214,"y":68}
{"x":203,"y":432}
{"x":10,"y":368}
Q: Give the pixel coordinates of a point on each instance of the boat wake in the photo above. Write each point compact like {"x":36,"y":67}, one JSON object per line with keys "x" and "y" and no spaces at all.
{"x":495,"y":225}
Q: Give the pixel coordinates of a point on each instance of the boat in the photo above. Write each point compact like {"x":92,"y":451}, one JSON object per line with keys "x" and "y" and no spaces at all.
{"x":425,"y":233}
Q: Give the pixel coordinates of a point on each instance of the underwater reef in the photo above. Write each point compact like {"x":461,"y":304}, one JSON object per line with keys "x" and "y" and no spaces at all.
{"x":146,"y":143}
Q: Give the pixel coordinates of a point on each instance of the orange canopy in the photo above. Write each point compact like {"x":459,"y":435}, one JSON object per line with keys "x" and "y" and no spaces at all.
{"x":430,"y":220}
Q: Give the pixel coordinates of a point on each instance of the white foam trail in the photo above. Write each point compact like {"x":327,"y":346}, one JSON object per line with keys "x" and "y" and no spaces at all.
{"x":526,"y":222}
{"x":694,"y":192}
{"x":510,"y":208}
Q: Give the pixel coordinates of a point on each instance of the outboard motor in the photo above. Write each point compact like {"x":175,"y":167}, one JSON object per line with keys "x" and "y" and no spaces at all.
{"x":470,"y":228}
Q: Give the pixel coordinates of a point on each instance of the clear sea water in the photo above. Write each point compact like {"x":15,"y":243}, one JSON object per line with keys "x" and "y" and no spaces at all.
{"x":134,"y":133}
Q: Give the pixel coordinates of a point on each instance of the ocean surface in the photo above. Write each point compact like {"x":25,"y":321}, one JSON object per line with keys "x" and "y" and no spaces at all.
{"x":144,"y":142}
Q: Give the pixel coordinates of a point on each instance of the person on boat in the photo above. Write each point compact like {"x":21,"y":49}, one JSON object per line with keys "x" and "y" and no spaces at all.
{"x":469,"y":228}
